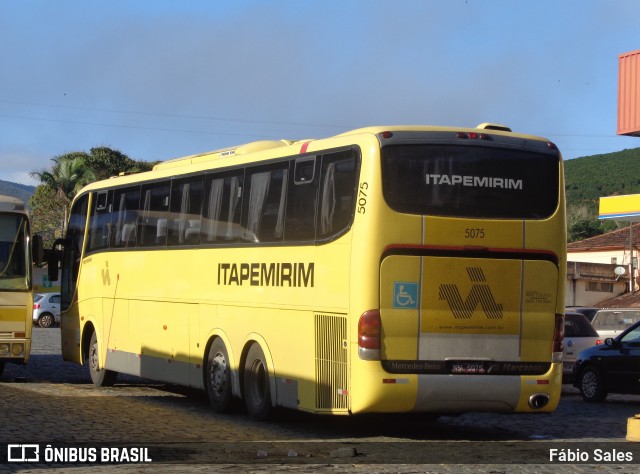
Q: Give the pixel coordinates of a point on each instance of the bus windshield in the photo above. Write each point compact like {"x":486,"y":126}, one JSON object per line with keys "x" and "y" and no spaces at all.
{"x":475,"y":182}
{"x":13,"y":255}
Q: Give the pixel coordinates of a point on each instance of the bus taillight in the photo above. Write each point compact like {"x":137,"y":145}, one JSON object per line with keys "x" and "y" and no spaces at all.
{"x":369,"y":331}
{"x":473,"y":136}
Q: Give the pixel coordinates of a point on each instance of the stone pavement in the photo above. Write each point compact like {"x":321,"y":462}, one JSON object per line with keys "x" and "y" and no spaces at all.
{"x":51,"y":402}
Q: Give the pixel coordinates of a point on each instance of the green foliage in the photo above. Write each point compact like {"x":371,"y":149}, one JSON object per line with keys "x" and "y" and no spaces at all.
{"x":68,"y":174}
{"x":106,"y":162}
{"x":589,"y":178}
{"x":48,"y":214}
{"x":585,"y":228}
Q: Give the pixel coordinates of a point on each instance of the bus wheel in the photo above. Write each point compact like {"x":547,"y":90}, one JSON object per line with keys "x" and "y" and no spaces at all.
{"x":591,"y":385}
{"x":257,"y":395}
{"x":218,"y":377}
{"x":99,"y":376}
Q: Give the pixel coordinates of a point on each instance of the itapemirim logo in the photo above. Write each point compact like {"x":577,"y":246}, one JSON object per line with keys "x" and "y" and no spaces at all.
{"x":480,"y":294}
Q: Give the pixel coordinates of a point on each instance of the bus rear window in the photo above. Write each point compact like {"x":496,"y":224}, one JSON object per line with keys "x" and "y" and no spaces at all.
{"x":473,"y":182}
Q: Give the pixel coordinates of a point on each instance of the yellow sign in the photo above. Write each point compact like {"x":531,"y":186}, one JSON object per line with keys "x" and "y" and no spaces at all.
{"x":625,"y":208}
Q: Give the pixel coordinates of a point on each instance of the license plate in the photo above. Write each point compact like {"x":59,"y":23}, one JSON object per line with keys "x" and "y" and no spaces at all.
{"x":468,"y":368}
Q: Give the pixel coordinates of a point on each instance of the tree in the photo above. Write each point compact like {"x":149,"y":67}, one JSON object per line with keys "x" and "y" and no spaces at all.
{"x":106,"y":162}
{"x":68,"y":174}
{"x":585,"y":228}
{"x":47,"y":214}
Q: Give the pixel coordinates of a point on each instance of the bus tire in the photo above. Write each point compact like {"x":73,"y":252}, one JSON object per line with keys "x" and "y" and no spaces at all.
{"x":591,"y":385}
{"x":218,"y":377}
{"x":99,"y":376}
{"x":257,"y":392}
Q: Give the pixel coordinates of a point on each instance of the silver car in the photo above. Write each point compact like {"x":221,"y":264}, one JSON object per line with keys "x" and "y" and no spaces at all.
{"x":578,"y":336}
{"x":46,"y":309}
{"x":611,"y":322}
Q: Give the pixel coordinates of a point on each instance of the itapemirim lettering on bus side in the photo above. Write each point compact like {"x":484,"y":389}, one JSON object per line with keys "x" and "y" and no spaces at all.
{"x":288,"y":274}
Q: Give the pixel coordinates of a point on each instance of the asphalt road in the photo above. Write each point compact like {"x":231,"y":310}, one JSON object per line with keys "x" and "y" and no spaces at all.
{"x":52,"y":403}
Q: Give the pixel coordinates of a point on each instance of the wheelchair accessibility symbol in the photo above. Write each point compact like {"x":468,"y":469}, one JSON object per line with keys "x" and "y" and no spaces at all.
{"x":405,"y":295}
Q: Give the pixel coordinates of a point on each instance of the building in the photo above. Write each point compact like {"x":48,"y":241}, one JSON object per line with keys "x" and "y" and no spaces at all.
{"x":598,"y":268}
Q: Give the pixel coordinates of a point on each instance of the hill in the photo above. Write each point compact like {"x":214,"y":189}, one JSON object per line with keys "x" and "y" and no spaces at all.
{"x":591,"y":177}
{"x":20,"y":191}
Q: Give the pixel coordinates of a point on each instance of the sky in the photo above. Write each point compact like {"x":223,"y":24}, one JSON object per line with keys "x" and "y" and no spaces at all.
{"x":160,"y":79}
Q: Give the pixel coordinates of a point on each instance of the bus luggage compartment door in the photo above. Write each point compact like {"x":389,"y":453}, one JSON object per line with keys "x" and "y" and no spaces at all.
{"x":460,"y":309}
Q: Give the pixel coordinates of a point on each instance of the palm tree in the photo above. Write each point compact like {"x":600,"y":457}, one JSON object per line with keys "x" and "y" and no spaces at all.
{"x":68,"y":174}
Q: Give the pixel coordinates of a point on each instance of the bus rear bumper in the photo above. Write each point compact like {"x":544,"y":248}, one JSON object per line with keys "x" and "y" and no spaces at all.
{"x":448,"y":393}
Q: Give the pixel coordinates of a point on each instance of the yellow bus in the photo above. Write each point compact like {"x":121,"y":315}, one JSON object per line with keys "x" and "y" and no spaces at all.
{"x":387,"y":269}
{"x":16,"y":299}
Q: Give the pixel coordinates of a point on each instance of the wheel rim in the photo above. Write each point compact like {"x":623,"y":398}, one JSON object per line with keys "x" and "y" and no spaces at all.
{"x":589,"y":384}
{"x":46,"y":320}
{"x":218,"y":376}
{"x":259,"y":381}
{"x":93,"y":358}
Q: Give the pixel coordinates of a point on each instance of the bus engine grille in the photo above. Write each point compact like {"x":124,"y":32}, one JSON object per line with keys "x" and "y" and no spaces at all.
{"x":331,"y":362}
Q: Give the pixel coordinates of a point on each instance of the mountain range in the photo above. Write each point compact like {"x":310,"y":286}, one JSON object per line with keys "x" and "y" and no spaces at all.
{"x":20,"y":191}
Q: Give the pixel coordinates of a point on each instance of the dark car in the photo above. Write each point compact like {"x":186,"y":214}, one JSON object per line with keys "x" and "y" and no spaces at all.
{"x":578,"y":336}
{"x":613,"y":367}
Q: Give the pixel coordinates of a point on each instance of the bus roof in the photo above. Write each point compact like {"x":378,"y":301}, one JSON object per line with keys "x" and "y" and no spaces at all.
{"x":202,"y":161}
{"x":11,"y":204}
{"x":244,"y":149}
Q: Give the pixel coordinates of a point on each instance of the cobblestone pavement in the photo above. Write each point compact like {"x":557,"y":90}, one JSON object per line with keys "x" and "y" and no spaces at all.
{"x":51,"y":402}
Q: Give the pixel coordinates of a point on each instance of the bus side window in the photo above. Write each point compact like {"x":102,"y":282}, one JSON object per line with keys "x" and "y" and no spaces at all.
{"x":126,"y":208}
{"x":153,"y":225}
{"x":302,"y":198}
{"x":266,"y":202}
{"x":100,"y":229}
{"x":186,"y":206}
{"x":223,"y":206}
{"x":337,"y":192}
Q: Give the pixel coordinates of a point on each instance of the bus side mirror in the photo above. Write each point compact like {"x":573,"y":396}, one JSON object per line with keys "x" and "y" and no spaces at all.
{"x":52,"y":265}
{"x":37,"y":249}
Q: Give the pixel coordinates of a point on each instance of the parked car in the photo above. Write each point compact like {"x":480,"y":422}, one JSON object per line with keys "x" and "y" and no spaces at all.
{"x":588,"y":311}
{"x":611,"y":322}
{"x":613,"y":367}
{"x":578,"y":335}
{"x":46,"y":309}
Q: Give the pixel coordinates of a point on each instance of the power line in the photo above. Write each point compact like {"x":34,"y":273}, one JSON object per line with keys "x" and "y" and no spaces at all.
{"x":139,"y":127}
{"x":164,"y":114}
